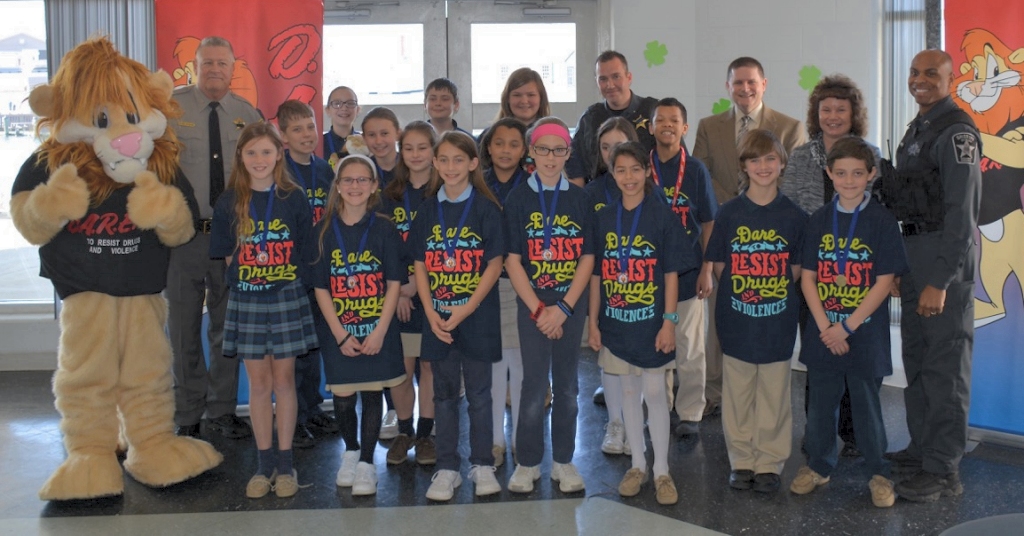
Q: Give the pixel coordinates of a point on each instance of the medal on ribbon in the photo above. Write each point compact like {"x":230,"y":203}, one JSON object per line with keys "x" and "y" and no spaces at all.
{"x":626,"y":245}
{"x":843,"y":255}
{"x":262,"y":253}
{"x":450,"y":242}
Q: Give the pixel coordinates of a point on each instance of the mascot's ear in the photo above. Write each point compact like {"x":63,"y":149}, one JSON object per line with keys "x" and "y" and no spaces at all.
{"x":162,"y":84}
{"x":41,"y":100}
{"x":964,"y":67}
{"x":1017,"y":56}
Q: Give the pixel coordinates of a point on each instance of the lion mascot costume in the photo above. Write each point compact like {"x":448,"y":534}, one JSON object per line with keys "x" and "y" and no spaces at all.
{"x":104,"y":199}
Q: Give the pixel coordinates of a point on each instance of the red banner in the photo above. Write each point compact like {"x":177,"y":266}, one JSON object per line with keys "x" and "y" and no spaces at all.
{"x":986,"y":40}
{"x":277,"y":46}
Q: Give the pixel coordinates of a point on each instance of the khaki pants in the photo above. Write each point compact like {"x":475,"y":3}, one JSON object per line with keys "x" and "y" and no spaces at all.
{"x":689,"y":398}
{"x":757,"y":415}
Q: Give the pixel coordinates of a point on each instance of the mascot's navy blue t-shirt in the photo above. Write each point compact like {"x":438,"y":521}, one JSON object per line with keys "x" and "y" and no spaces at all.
{"x":630,"y":313}
{"x":876,"y":250}
{"x":102,"y":251}
{"x":758,"y":308}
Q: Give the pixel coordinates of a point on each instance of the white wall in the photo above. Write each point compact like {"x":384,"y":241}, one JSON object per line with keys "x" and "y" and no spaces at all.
{"x":703,"y":36}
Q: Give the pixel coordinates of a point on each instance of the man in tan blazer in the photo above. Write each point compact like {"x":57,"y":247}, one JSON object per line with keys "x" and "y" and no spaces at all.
{"x":717,"y":138}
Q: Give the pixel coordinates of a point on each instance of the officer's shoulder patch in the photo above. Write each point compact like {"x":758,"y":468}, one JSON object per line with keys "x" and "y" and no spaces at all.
{"x":965,"y":148}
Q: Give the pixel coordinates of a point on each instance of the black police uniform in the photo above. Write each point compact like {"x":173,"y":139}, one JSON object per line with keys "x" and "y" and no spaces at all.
{"x":943,"y":254}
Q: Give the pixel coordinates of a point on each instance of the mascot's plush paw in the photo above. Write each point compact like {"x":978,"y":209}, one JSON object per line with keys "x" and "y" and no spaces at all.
{"x":152,"y":205}
{"x":66,"y":196}
{"x":171,"y":459}
{"x":84,"y":476}
{"x":40,"y":214}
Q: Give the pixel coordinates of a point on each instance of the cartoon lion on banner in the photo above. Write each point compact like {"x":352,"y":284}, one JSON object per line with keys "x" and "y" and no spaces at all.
{"x":104,"y":200}
{"x":989,"y":89}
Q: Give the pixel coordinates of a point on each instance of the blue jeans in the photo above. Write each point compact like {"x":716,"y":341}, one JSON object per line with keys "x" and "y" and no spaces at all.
{"x":477,"y":375}
{"x":561,"y":358}
{"x":826,"y":391}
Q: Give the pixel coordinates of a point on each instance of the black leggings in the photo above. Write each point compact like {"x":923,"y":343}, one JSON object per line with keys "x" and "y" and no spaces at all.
{"x":345,"y":412}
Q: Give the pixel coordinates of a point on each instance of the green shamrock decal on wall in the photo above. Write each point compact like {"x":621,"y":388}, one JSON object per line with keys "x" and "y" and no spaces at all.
{"x":721,"y":106}
{"x":655,"y":53}
{"x":809,"y":76}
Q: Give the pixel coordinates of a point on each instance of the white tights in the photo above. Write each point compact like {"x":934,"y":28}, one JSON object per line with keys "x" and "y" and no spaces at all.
{"x":506,"y":378}
{"x":652,"y":386}
{"x":612,"y":396}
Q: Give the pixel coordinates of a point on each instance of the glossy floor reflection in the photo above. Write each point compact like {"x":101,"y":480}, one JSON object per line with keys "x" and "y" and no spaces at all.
{"x":30,"y":449}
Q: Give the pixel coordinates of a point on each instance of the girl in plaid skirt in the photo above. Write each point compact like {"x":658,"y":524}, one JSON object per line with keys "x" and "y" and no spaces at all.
{"x":262,"y":227}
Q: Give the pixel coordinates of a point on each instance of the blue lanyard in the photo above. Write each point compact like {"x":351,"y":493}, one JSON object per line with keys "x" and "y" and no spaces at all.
{"x":330,"y":141}
{"x":301,"y":178}
{"x":351,"y":281}
{"x":450,"y":243}
{"x":547,"y":219}
{"x":262,"y":257}
{"x":625,"y":246}
{"x":843,"y":255}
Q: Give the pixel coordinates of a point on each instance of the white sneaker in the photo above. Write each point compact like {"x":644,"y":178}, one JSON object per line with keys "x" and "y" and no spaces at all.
{"x":568,"y":478}
{"x":389,"y":427}
{"x":443,"y":484}
{"x":614,"y":435}
{"x":366,"y":479}
{"x":523,"y":477}
{"x":483,"y":478}
{"x":347,"y":473}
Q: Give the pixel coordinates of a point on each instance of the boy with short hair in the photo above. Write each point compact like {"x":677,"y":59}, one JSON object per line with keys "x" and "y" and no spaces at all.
{"x":755,"y":248}
{"x":441,"y":101}
{"x":687,"y":188}
{"x":853,"y":250}
{"x":314,"y":175}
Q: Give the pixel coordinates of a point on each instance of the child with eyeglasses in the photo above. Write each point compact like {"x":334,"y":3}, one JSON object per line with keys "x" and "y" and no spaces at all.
{"x":342,"y":108}
{"x":358,"y":276}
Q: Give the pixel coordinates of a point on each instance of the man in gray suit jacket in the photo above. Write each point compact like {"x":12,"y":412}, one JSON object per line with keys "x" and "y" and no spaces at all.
{"x":717,"y":138}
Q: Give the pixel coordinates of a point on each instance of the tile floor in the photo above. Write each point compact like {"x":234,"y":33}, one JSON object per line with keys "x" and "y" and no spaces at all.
{"x":214,"y":503}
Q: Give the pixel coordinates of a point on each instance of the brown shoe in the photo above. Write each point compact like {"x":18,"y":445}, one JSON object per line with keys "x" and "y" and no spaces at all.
{"x":426,"y":452}
{"x":665,"y":490}
{"x":259,"y":486}
{"x":882,"y":494}
{"x":631,"y":483}
{"x":286,"y":485}
{"x":398,"y":453}
{"x":498,"y":452}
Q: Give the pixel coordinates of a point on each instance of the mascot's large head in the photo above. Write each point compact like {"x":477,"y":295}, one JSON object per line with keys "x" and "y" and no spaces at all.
{"x":107,"y":114}
{"x":990,"y":81}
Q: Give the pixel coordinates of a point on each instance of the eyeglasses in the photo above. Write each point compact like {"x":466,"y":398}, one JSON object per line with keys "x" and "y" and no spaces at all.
{"x":361,"y":181}
{"x":544,"y":151}
{"x":346,"y":104}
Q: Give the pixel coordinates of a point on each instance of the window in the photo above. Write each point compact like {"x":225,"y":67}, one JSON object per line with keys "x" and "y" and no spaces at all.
{"x":391,"y":74}
{"x":548,"y":48}
{"x":22,"y":66}
{"x":904,"y":35}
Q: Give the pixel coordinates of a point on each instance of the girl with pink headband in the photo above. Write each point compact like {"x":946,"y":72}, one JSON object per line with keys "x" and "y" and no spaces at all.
{"x":550,"y":259}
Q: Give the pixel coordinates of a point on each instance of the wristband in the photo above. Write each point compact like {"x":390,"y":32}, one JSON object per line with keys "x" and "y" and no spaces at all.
{"x":565,"y":307}
{"x":345,"y":339}
{"x":536,"y":313}
{"x":845,"y":327}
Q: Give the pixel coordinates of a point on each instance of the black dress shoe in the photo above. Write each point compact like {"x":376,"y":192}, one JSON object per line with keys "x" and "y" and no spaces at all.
{"x":766,"y":482}
{"x":599,"y":395}
{"x":188,"y":430}
{"x":741,"y":479}
{"x":686,"y":428}
{"x":323,"y":423}
{"x":928,"y":487}
{"x":230,"y":426}
{"x":712,"y":410}
{"x":303,"y":438}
